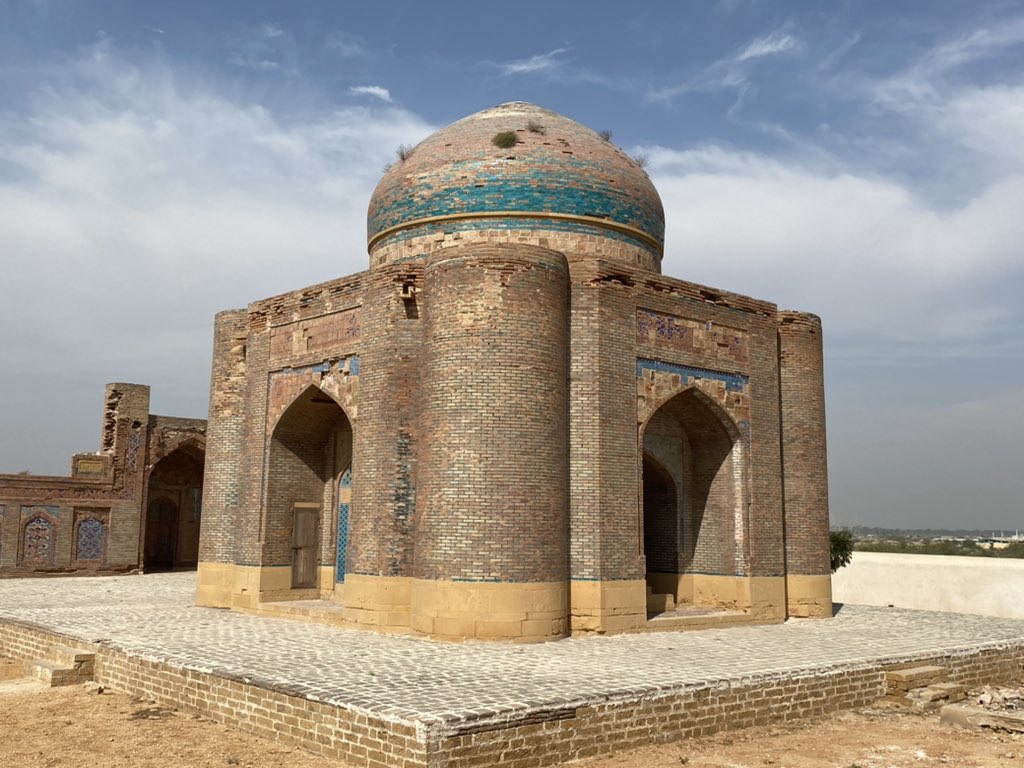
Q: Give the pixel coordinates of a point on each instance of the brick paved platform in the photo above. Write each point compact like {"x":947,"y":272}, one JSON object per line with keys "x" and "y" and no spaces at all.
{"x":385,"y":700}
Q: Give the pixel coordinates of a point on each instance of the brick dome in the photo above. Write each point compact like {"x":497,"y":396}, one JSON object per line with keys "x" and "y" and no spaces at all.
{"x":517,"y":167}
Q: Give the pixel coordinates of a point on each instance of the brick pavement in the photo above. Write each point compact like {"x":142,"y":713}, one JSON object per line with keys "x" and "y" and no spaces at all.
{"x":410,"y":679}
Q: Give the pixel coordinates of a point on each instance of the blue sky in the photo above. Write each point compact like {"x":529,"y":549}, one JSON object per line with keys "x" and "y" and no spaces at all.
{"x":862,"y":160}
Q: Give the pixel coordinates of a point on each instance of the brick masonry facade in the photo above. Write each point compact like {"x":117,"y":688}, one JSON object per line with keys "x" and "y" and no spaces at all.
{"x":95,"y":520}
{"x":491,"y":391}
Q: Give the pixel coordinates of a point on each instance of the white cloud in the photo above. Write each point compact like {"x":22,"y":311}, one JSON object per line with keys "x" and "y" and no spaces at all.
{"x":989,"y":122}
{"x":265,"y":47}
{"x":347,"y":45}
{"x":375,"y":91}
{"x":731,"y":72}
{"x":925,"y":84}
{"x":862,"y":251}
{"x":538,"y":63}
{"x":769,"y":45}
{"x":133,"y":206}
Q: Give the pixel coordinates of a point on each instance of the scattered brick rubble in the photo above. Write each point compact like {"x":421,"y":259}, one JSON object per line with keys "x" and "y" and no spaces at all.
{"x":994,"y":707}
{"x":998,"y":698}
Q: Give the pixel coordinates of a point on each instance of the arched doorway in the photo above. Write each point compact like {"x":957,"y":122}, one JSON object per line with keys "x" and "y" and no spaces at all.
{"x":662,"y":529}
{"x":174,"y":493}
{"x":310,"y":451}
{"x":692,"y":497}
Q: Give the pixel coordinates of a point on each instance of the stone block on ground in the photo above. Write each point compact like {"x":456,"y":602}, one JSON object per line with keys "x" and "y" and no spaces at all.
{"x":914,"y":677}
{"x":964,"y":716}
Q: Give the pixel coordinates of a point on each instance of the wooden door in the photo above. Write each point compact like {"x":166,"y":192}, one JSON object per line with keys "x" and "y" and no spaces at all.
{"x":305,"y":523}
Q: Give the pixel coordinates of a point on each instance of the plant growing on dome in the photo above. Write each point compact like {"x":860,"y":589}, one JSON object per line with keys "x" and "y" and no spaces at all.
{"x":505,"y":139}
{"x":534,"y":127}
{"x":605,"y":134}
{"x":403,"y":152}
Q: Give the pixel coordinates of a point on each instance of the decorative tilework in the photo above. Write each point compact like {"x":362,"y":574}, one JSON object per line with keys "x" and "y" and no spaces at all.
{"x":131,"y":451}
{"x":734,"y":382}
{"x":344,"y":501}
{"x":89,"y":544}
{"x":197,"y":503}
{"x":39,"y":548}
{"x":459,"y":172}
{"x":349,"y":365}
{"x":704,"y":338}
{"x":324,"y":335}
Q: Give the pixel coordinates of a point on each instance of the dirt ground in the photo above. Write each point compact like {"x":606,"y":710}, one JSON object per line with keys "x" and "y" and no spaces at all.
{"x":72,"y":727}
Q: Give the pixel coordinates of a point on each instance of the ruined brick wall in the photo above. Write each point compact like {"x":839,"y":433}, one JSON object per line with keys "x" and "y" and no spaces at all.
{"x":803,"y":443}
{"x":92,"y":520}
{"x":493,"y":486}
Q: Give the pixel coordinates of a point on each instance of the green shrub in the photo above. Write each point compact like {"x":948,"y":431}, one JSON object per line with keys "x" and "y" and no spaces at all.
{"x":505,"y":139}
{"x":841,"y":546}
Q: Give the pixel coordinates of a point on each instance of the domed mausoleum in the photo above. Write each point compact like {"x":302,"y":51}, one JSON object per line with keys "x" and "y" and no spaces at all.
{"x":512,"y":426}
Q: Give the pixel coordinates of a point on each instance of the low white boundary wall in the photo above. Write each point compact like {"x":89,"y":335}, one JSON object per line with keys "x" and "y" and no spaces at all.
{"x":987,"y":586}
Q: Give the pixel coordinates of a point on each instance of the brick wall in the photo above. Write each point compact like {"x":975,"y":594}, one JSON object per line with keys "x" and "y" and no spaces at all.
{"x":110,"y":485}
{"x":492,"y":496}
{"x":538,"y":737}
{"x":801,"y":376}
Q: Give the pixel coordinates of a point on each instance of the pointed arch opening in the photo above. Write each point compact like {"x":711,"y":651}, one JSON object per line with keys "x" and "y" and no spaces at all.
{"x":173,"y":508}
{"x":692,"y":493}
{"x":310,"y":452}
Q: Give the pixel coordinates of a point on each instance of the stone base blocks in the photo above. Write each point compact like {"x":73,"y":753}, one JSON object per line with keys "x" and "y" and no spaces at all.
{"x":537,"y":734}
{"x":64,"y":666}
{"x":922,"y":687}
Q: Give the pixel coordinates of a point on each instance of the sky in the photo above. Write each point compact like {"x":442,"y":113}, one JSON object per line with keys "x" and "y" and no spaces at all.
{"x":160,"y":162}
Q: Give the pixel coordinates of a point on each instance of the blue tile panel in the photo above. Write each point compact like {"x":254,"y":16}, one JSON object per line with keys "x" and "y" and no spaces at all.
{"x":352,"y":363}
{"x":344,"y":501}
{"x":91,"y":533}
{"x":570,"y":185}
{"x":38,"y":547}
{"x":734,"y":382}
{"x":349,"y":364}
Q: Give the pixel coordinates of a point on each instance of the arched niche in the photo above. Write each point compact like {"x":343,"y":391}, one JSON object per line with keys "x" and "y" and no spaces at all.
{"x":693,"y":494}
{"x":174,"y":495}
{"x":310,"y":449}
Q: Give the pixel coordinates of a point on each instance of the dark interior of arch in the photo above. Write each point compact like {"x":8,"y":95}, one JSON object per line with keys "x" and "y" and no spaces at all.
{"x":173,"y":510}
{"x":310,"y":447}
{"x":690,"y":439}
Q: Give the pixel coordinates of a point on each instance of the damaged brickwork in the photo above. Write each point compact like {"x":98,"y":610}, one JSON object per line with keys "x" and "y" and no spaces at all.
{"x":133,"y":505}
